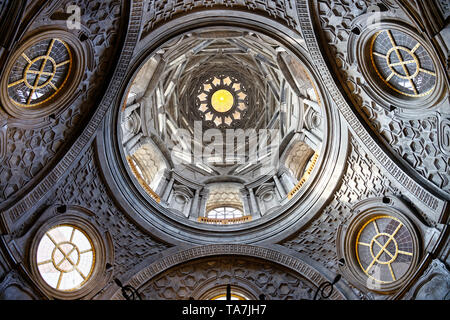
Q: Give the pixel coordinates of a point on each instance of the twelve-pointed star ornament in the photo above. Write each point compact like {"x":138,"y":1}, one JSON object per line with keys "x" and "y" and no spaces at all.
{"x":222,"y":100}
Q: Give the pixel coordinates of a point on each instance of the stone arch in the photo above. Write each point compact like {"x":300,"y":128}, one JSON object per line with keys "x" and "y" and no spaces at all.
{"x":292,"y":263}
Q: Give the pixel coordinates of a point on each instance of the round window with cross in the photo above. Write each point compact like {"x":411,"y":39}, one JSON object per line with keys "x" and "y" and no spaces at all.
{"x":384,"y":249}
{"x":39,"y":73}
{"x":65,"y":257}
{"x":403,"y":63}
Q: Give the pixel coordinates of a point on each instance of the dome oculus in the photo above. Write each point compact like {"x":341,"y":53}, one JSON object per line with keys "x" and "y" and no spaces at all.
{"x":217,"y":118}
{"x":222,"y":100}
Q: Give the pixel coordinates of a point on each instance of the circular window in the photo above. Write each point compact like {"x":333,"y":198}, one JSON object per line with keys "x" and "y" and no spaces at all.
{"x":403,"y":63}
{"x":222,"y":100}
{"x":384,"y":249}
{"x":400,"y":68}
{"x":69,"y":257}
{"x":39,"y":73}
{"x":42,"y":74}
{"x":380,"y":247}
{"x":65,"y":257}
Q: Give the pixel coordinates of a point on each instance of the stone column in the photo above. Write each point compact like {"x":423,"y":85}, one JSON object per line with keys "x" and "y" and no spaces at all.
{"x":163,"y":183}
{"x":279,"y":186}
{"x":132,"y":142}
{"x":287,"y":182}
{"x":255,"y":209}
{"x":128,"y":110}
{"x":245,"y":204}
{"x":195,"y":209}
{"x":311,"y":139}
{"x":168,"y":189}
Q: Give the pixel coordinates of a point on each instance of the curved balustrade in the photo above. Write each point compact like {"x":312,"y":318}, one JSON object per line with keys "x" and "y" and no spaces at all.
{"x":224,"y":221}
{"x":305,"y":176}
{"x":141,"y":180}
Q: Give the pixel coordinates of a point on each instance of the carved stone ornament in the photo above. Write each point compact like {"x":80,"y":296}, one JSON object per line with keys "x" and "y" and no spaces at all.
{"x":142,"y":278}
{"x":14,"y":288}
{"x":434,"y":284}
{"x":399,"y":67}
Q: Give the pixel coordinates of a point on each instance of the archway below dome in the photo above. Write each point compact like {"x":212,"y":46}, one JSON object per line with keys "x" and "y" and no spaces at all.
{"x":203,"y":273}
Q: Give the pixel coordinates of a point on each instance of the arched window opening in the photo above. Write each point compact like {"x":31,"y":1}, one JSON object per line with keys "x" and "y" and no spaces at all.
{"x":225,"y":213}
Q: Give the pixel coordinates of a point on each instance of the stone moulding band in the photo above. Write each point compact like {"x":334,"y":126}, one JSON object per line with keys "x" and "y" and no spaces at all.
{"x":310,"y":36}
{"x":13,"y":214}
{"x":295,"y":264}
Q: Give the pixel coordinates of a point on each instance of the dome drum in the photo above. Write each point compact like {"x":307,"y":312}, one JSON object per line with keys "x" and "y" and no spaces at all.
{"x":269,"y":184}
